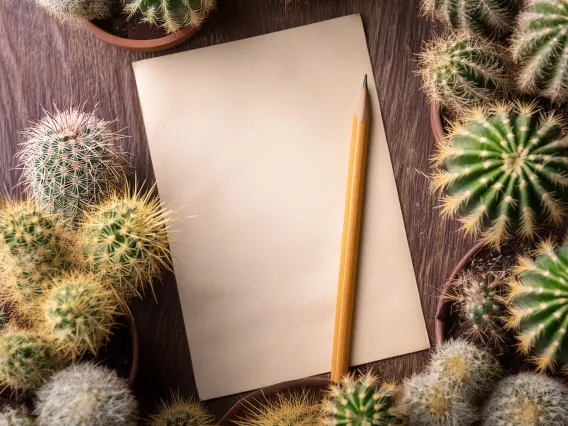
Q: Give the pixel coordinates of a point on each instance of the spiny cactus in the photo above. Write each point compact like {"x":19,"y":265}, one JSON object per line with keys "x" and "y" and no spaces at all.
{"x":481,"y":305}
{"x":78,"y":9}
{"x":541,"y":49}
{"x":26,"y":359}
{"x":429,"y":402}
{"x":460,"y":71}
{"x":69,"y":159}
{"x":485,"y":17}
{"x":78,"y":313}
{"x":362,"y":402}
{"x":15,"y":417}
{"x":85,"y":394}
{"x":504,"y":171}
{"x":182,"y":412}
{"x":465,"y":368}
{"x":539,"y":305}
{"x":171,"y":15}
{"x":527,"y":399}
{"x":125,"y":241}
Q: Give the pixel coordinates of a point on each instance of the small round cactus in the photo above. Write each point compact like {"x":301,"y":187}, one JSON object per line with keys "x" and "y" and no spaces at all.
{"x":464,"y":368}
{"x":362,"y":402}
{"x":539,"y":305}
{"x":540,"y":47}
{"x":182,"y":412}
{"x":430,"y":402}
{"x":26,"y":359}
{"x":69,"y":159}
{"x":460,"y":71}
{"x":527,"y":399}
{"x":485,"y":17}
{"x":125,"y":241}
{"x":503,"y":170}
{"x":15,"y":417}
{"x":78,"y":9}
{"x":78,"y":314}
{"x":171,"y":15}
{"x":85,"y":394}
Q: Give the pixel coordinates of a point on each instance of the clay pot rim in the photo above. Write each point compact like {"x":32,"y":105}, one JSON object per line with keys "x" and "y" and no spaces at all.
{"x":311,"y":382}
{"x":135,"y":352}
{"x":150,"y":45}
{"x":436,"y":121}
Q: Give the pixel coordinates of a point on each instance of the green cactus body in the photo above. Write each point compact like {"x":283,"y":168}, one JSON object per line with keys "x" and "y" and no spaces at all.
{"x":69,"y":159}
{"x":182,"y":412}
{"x":485,"y":17}
{"x":78,"y":313}
{"x":540,"y":46}
{"x":503,"y":170}
{"x":78,"y":9}
{"x":171,"y":15}
{"x":460,"y":71}
{"x":15,"y":417}
{"x":362,"y":403}
{"x":527,"y":399}
{"x":539,"y":306}
{"x":26,"y":360}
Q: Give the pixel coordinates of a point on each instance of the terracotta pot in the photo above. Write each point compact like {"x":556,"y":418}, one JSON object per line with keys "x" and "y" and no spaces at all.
{"x":252,"y":400}
{"x":436,"y":121}
{"x":150,"y":45}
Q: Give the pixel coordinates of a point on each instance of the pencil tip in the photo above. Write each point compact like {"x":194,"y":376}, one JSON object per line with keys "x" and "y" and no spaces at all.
{"x":365,"y":81}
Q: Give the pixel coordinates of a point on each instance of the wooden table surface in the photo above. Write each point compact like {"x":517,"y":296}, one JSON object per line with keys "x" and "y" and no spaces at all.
{"x":43,"y":61}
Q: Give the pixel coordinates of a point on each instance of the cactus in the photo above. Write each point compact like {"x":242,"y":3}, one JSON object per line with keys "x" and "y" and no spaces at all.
{"x":26,"y":359}
{"x":78,"y":313}
{"x":429,"y":402}
{"x":15,"y":417}
{"x":85,"y":394}
{"x":540,"y":48}
{"x":539,"y":305}
{"x":362,"y":402}
{"x":460,"y":71}
{"x":183,"y":412}
{"x":504,"y":171}
{"x":125,"y":241}
{"x":77,"y":9}
{"x":491,"y":18}
{"x":171,"y":15}
{"x":481,"y":305}
{"x":527,"y":399}
{"x":464,"y":368}
{"x":69,"y":159}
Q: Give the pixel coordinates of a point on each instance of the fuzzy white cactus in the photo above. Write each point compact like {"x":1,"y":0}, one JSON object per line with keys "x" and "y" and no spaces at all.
{"x":15,"y":417}
{"x":78,"y":9}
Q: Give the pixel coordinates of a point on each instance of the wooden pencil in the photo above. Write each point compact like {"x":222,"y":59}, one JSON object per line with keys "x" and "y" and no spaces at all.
{"x":350,"y":240}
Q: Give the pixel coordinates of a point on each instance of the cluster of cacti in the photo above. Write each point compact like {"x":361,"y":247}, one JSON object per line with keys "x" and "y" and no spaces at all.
{"x":503,"y":170}
{"x":78,"y":313}
{"x":481,"y":305}
{"x":85,"y":394}
{"x":363,"y":401}
{"x":460,"y":71}
{"x":182,"y":412}
{"x":70,"y":159}
{"x":540,"y":48}
{"x":26,"y":359}
{"x":485,"y":17}
{"x":539,"y":305}
{"x":125,"y":241}
{"x":527,"y":399}
{"x":78,"y":9}
{"x":171,"y":15}
{"x":15,"y":417}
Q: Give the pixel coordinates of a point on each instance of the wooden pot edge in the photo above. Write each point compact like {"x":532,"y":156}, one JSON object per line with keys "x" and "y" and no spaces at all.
{"x":436,"y":121}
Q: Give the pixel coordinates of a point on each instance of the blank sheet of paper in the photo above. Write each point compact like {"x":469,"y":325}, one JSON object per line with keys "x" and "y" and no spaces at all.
{"x":252,"y":137}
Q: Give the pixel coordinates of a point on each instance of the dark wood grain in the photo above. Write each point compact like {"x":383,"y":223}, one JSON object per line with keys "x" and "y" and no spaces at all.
{"x":43,"y":61}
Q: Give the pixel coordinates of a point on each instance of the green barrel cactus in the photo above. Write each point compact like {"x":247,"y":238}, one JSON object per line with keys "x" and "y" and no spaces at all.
{"x":539,"y":306}
{"x":527,"y":399}
{"x":78,"y":313}
{"x":540,"y":48}
{"x":26,"y":359}
{"x":15,"y":417}
{"x":460,"y":71}
{"x":183,"y":412}
{"x":362,"y":402}
{"x":125,"y":241}
{"x":503,"y":170}
{"x":171,"y":15}
{"x":77,"y":9}
{"x":490,"y":18}
{"x":69,"y":159}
